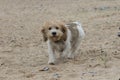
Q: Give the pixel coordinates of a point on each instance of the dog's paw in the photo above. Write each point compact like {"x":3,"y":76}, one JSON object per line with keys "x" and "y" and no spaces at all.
{"x":51,"y":63}
{"x":63,"y":56}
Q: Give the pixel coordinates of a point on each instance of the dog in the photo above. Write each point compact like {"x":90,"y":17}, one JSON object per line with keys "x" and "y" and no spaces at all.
{"x":62,"y":37}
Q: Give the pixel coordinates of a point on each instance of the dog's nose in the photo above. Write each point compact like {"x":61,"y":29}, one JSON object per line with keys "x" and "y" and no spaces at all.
{"x":53,"y":33}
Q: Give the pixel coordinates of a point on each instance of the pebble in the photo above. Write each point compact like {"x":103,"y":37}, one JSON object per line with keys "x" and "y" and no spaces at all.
{"x":104,"y":8}
{"x":45,"y":69}
{"x":56,"y":76}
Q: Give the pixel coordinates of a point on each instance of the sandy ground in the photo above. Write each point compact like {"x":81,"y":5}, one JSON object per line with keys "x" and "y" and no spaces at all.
{"x":23,"y":53}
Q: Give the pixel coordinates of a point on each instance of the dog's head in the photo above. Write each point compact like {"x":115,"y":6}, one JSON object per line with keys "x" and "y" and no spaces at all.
{"x":54,"y":31}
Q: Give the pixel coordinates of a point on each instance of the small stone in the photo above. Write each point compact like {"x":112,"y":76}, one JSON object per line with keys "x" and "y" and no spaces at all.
{"x":104,"y":8}
{"x":118,"y":34}
{"x":83,"y":73}
{"x":2,"y":64}
{"x":56,"y":76}
{"x":44,"y":69}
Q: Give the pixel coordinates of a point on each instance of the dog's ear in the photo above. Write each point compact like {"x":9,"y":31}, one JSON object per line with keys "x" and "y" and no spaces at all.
{"x":64,"y":30}
{"x":44,"y":34}
{"x":63,"y":27}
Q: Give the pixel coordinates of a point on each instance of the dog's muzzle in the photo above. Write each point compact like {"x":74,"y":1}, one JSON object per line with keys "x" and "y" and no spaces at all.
{"x":54,"y":33}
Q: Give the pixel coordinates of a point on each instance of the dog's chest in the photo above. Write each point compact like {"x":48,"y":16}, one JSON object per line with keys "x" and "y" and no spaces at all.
{"x":59,"y":46}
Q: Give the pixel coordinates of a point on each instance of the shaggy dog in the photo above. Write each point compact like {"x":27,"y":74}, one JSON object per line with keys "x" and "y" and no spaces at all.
{"x":61,"y":37}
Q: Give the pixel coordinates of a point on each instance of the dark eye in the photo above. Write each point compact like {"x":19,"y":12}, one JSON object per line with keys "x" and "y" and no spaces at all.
{"x":49,"y":28}
{"x":57,"y":27}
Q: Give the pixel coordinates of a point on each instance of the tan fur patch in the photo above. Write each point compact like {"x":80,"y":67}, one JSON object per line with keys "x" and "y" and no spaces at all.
{"x":61,"y":31}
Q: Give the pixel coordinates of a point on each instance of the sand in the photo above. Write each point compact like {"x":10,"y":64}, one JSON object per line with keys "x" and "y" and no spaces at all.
{"x":23,"y":53}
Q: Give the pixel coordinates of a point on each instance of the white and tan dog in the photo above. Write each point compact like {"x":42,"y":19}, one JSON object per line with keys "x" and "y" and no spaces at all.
{"x":62,"y":37}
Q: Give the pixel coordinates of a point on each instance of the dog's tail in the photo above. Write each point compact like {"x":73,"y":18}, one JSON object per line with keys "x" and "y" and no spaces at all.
{"x":80,"y":29}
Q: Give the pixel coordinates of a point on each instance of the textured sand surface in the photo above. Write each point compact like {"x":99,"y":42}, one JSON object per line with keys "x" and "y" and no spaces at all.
{"x":23,"y":53}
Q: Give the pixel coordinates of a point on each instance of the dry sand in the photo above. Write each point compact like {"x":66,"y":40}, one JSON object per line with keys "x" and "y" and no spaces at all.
{"x":23,"y":53}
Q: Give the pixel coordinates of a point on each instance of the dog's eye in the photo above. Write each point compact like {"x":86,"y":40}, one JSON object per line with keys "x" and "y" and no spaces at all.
{"x":57,"y":28}
{"x":49,"y":28}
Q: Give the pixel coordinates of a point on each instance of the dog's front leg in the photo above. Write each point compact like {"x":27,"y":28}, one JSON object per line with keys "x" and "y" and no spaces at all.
{"x":51,"y":54}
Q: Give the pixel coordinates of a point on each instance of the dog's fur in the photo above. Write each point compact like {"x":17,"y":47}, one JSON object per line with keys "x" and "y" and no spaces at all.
{"x":62,"y":37}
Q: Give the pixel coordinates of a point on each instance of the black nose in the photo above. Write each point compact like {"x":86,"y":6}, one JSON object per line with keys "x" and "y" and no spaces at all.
{"x":53,"y":33}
